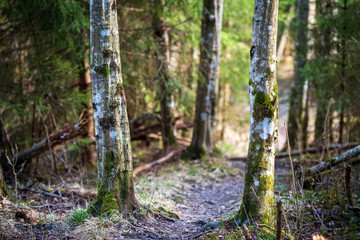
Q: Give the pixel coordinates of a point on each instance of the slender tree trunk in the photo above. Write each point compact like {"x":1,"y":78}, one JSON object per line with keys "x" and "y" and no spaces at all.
{"x":323,"y":51}
{"x":308,"y":83}
{"x":167,"y":105}
{"x":115,"y":182}
{"x":284,"y":35}
{"x":208,"y":82}
{"x":89,"y":154}
{"x":297,"y":90}
{"x":343,"y":73}
{"x":3,"y":188}
{"x":258,"y":197}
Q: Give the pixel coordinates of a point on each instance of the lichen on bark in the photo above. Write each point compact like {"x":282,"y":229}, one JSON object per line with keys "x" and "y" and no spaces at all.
{"x":115,"y":183}
{"x":258,"y":196}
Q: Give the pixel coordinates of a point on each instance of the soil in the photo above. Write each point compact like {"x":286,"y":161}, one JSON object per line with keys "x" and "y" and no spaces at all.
{"x":202,"y":203}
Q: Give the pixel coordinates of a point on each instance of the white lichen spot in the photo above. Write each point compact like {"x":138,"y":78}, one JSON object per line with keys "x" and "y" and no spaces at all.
{"x":267,"y":172}
{"x":113,"y":134}
{"x":211,"y":17}
{"x":171,"y":105}
{"x":266,"y":128}
{"x":105,"y":32}
{"x":269,"y":27}
{"x":272,"y":67}
{"x":203,"y":116}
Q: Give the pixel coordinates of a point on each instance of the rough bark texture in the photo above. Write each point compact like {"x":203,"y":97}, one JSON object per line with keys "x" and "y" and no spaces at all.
{"x":208,"y":82}
{"x":115,"y":182}
{"x":297,"y":90}
{"x":167,"y":105}
{"x":258,"y":198}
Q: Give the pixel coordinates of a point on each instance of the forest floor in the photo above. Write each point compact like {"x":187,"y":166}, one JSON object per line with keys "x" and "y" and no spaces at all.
{"x":176,"y":201}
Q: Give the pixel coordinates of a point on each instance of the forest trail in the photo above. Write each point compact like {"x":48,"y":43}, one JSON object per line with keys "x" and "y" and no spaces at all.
{"x":199,"y":202}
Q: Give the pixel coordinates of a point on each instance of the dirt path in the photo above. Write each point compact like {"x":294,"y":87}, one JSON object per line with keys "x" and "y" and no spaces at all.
{"x":211,"y":200}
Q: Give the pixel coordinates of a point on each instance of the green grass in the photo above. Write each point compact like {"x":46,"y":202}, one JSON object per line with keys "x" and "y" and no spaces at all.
{"x":78,"y":217}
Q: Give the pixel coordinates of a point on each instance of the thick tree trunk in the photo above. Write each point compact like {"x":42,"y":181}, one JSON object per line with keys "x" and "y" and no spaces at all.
{"x":89,"y":154}
{"x":297,"y":90}
{"x":208,"y":82}
{"x":258,"y":197}
{"x":167,"y":105}
{"x":115,"y":182}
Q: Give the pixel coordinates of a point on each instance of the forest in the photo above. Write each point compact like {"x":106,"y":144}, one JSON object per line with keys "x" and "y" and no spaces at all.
{"x":180,"y":119}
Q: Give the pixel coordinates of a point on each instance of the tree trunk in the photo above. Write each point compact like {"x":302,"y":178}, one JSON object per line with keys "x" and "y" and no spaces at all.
{"x":322,"y":52}
{"x":285,"y":35}
{"x":89,"y":154}
{"x":208,"y":82}
{"x":167,"y":105}
{"x":308,"y":83}
{"x":115,"y":182}
{"x":297,"y":90}
{"x":343,"y":74}
{"x":3,"y":188}
{"x":258,"y":197}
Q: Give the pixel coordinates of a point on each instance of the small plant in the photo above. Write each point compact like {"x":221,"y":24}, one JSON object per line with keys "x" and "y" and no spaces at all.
{"x":78,"y":217}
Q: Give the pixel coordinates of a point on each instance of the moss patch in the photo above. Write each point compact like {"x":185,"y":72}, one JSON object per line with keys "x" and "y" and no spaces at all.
{"x":103,"y":70}
{"x":263,"y":106}
{"x":251,"y":82}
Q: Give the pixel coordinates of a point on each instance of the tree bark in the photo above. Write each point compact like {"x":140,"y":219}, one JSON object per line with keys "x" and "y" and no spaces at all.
{"x":167,"y":105}
{"x":89,"y":154}
{"x":297,"y":90}
{"x":115,"y":182}
{"x":322,"y":51}
{"x":258,"y":197}
{"x":308,"y":82}
{"x":3,"y":188}
{"x":343,"y":74}
{"x":208,"y":81}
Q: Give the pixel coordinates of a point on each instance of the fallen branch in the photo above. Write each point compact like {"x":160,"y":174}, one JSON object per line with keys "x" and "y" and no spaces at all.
{"x":304,"y":151}
{"x":146,"y":166}
{"x":41,"y":192}
{"x":326,"y":165}
{"x":58,"y":138}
